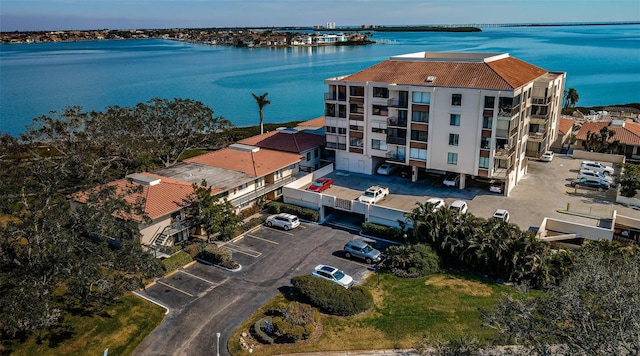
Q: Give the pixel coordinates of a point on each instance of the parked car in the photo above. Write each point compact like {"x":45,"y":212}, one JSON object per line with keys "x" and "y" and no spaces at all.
{"x":594,"y":183}
{"x":362,"y":250}
{"x":451,"y":180}
{"x":374,"y":194}
{"x":321,"y":184}
{"x":387,"y":169}
{"x":332,"y":274}
{"x":585,"y":173}
{"x":495,"y":188}
{"x":597,"y":167}
{"x":459,"y":206}
{"x":547,"y":156}
{"x":283,"y":220}
{"x":500,"y":214}
{"x":436,"y":202}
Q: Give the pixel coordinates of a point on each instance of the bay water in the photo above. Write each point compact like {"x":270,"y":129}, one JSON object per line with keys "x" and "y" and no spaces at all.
{"x":602,"y":63}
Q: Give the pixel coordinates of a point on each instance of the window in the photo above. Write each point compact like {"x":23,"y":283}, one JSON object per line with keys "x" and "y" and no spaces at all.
{"x":418,"y":135}
{"x":330,"y":110}
{"x":487,"y":122}
{"x":420,"y":116}
{"x":380,"y":110}
{"x":356,"y":91}
{"x":356,"y":127}
{"x":342,"y":130}
{"x":484,"y":162}
{"x":379,"y":144}
{"x":277,"y":174}
{"x":485,"y":143}
{"x":279,"y":191}
{"x":316,"y":152}
{"x":454,"y":120}
{"x":378,"y":130}
{"x":243,"y":186}
{"x":293,"y":166}
{"x":421,"y":97}
{"x":356,"y":108}
{"x":489,"y":102}
{"x":456,"y":99}
{"x":453,"y":139}
{"x":308,"y":156}
{"x":417,"y":153}
{"x":342,"y":111}
{"x":356,"y":142}
{"x":452,"y":158}
{"x":259,"y":182}
{"x":380,"y":92}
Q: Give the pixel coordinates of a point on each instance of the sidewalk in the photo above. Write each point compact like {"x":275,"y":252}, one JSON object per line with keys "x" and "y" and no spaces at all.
{"x":400,"y":352}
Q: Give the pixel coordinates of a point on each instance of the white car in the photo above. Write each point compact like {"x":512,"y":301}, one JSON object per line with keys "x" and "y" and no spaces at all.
{"x":386,"y":169}
{"x":459,"y":206}
{"x":332,"y":274}
{"x":437,"y":203}
{"x":500,"y":214}
{"x":585,"y":173}
{"x":283,"y":220}
{"x":451,"y":180}
{"x":596,"y":167}
{"x":547,"y":156}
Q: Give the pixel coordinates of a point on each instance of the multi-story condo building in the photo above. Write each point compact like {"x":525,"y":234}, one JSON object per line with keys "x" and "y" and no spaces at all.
{"x":476,"y":114}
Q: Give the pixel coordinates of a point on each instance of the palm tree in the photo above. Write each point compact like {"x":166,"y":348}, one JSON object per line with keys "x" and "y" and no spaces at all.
{"x":571,"y":98}
{"x":262,"y":102}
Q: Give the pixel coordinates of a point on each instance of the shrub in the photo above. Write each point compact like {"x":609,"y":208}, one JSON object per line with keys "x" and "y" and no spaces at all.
{"x":303,"y":213}
{"x":383,"y":232}
{"x":247,"y":212}
{"x":248,"y":225}
{"x":412,"y":260}
{"x":217,"y":255}
{"x":176,"y":261}
{"x":331,"y":298}
{"x":260,"y":334}
{"x":193,"y":249}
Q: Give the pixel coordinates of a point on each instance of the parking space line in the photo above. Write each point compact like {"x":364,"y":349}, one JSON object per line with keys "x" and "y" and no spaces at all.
{"x":260,"y":238}
{"x":198,"y":277}
{"x":281,"y":231}
{"x":357,"y":263}
{"x":245,"y":251}
{"x":172,"y":287}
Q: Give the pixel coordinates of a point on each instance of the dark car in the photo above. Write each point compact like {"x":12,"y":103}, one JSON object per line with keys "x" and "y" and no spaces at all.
{"x":321,"y":184}
{"x":362,"y":250}
{"x":591,"y":183}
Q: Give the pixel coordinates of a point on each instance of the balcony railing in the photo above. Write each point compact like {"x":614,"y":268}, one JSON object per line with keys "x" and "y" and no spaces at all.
{"x":329,"y":96}
{"x":336,"y":146}
{"x":504,"y":153}
{"x":397,"y":103}
{"x":396,"y":140}
{"x":170,"y":230}
{"x":394,"y":121}
{"x":537,"y":136}
{"x":540,"y":101}
{"x":395,"y":156}
{"x":267,"y":188}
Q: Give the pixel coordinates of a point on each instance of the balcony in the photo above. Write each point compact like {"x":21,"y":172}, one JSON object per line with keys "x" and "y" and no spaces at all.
{"x":504,"y":153}
{"x":356,"y":116}
{"x":395,"y":156}
{"x":538,"y":120}
{"x":330,"y":96}
{"x":537,"y":136}
{"x":396,"y":103}
{"x":356,"y":100}
{"x":267,"y":188}
{"x":540,"y":101}
{"x":169,"y":231}
{"x":398,"y":140}
{"x":336,"y":146}
{"x":394,"y":121}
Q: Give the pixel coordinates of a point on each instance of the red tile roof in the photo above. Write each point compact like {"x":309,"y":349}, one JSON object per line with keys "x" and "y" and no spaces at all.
{"x":317,"y":122}
{"x":628,"y":135}
{"x":256,"y":163}
{"x":294,"y":142}
{"x":506,"y":73}
{"x":160,"y":199}
{"x":565,"y":125}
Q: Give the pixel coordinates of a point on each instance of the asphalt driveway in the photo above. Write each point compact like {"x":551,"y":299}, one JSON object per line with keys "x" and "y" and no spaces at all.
{"x":204,"y":300}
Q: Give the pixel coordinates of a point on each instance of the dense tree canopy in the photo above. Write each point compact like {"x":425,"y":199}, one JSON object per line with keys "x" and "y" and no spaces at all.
{"x":629,"y":180}
{"x":214,"y":216}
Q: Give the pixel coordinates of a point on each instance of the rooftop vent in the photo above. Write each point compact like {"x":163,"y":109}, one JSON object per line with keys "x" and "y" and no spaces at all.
{"x":430,"y":78}
{"x":617,"y":123}
{"x":142,"y":179}
{"x":244,"y":148}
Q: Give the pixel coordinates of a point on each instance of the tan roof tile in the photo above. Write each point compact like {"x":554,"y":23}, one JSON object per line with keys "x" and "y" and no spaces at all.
{"x":628,"y":135}
{"x":256,"y":164}
{"x":564,"y":125}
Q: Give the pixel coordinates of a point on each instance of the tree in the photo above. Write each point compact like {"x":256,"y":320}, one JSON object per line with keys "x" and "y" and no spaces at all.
{"x":571,"y":98}
{"x":595,"y":309}
{"x":262,"y":102}
{"x":629,"y":180}
{"x":212,"y":215}
{"x":603,"y":142}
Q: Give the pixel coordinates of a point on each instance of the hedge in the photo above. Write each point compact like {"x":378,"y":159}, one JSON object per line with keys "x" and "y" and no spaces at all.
{"x":303,"y":213}
{"x":331,"y":298}
{"x":383,"y":232}
{"x":259,"y":333}
{"x":176,"y":261}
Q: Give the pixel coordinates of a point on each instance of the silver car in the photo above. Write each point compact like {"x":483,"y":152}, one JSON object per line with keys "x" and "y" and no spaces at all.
{"x":362,"y":250}
{"x":283,"y":220}
{"x":332,"y":274}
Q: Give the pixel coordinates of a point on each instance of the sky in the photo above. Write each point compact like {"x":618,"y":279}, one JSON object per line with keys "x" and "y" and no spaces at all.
{"x":48,"y":15}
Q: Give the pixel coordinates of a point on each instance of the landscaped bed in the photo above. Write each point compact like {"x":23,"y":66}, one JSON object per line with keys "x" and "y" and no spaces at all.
{"x":442,"y":306}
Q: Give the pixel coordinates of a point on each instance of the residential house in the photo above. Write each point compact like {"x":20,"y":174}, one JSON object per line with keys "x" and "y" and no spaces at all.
{"x":565,"y":131}
{"x":476,"y":114}
{"x":627,"y":133}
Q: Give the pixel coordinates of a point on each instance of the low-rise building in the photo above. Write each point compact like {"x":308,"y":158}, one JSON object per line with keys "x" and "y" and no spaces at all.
{"x":626,"y":132}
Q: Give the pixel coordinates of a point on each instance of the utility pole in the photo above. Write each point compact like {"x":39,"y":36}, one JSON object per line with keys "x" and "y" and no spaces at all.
{"x":217,"y":344}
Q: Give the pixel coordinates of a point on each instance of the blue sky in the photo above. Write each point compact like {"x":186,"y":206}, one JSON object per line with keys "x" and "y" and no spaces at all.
{"x":36,"y":15}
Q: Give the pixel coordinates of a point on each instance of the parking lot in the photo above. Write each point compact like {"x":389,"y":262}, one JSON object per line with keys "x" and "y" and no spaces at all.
{"x":545,"y":191}
{"x":206,"y":299}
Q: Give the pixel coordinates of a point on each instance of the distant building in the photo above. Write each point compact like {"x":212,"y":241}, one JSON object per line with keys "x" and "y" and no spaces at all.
{"x":626,"y":132}
{"x":331,"y":25}
{"x":476,"y":114}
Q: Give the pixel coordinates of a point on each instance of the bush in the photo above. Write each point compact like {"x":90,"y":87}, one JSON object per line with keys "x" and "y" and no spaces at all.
{"x":260,"y":334}
{"x":176,"y":261}
{"x":331,"y":298}
{"x":217,"y":255}
{"x":303,"y":213}
{"x":412,"y":261}
{"x":248,"y":225}
{"x":247,"y":212}
{"x":383,"y":232}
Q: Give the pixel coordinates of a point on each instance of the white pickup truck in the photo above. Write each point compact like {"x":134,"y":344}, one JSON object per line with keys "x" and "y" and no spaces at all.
{"x":374,"y":194}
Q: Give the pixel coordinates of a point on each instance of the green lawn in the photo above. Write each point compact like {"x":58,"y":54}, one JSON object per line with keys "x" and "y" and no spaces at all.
{"x":120,"y":330}
{"x":443,"y":306}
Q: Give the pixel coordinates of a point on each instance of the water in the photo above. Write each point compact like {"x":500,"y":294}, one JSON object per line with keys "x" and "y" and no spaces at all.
{"x":602,"y":63}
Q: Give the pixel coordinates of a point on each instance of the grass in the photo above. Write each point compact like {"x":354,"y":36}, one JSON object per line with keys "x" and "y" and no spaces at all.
{"x":120,"y":329}
{"x":443,"y":307}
